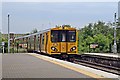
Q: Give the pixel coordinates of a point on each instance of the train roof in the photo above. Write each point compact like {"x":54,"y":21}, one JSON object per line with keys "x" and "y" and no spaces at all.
{"x":63,"y":28}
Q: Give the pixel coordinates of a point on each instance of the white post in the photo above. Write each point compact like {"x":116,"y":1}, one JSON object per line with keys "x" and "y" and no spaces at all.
{"x":8,"y":36}
{"x":3,"y":46}
{"x":115,"y":45}
{"x":3,"y":49}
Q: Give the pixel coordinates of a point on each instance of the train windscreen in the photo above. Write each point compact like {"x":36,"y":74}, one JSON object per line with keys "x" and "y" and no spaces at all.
{"x":54,"y":36}
{"x":71,"y":36}
{"x":63,"y":35}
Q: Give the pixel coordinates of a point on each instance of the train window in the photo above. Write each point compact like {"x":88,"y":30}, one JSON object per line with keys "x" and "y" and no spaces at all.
{"x":54,"y":36}
{"x":42,"y":38}
{"x":63,"y":36}
{"x":71,"y":36}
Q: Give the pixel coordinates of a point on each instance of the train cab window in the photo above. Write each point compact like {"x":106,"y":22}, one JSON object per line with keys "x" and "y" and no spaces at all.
{"x":63,"y":37}
{"x":54,"y":36}
{"x":71,"y":36}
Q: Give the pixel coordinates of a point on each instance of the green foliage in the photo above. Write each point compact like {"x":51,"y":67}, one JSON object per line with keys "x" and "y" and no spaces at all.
{"x":2,"y":39}
{"x":0,"y":42}
{"x":66,"y":25}
{"x":34,"y":31}
{"x":118,"y":30}
{"x":27,"y":33}
{"x":98,"y":33}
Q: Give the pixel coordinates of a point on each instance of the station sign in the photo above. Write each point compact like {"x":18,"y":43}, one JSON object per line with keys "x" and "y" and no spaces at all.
{"x":3,"y":43}
{"x":93,"y":45}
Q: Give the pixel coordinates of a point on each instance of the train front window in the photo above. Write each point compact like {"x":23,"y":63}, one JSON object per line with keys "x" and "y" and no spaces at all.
{"x":63,"y":36}
{"x":71,"y":36}
{"x":54,"y":36}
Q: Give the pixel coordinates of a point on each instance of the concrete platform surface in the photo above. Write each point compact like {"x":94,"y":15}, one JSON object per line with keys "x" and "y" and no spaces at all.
{"x":27,"y":66}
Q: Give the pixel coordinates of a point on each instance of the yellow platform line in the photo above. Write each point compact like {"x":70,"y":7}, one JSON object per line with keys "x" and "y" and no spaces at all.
{"x":90,"y":74}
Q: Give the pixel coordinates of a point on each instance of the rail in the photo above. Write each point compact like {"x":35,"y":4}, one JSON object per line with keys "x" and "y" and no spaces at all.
{"x":108,"y":64}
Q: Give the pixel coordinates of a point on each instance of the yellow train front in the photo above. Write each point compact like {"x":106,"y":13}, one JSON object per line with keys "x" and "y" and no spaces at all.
{"x":61,"y":41}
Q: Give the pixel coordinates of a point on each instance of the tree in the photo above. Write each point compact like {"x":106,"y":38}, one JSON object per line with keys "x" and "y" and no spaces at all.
{"x":34,"y":30}
{"x":0,"y":42}
{"x":27,"y":33}
{"x":118,"y":37}
{"x":99,"y":33}
{"x":0,"y":37}
{"x":66,"y":25}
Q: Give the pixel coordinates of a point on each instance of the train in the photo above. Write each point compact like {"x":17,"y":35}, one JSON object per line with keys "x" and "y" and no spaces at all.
{"x":60,"y":41}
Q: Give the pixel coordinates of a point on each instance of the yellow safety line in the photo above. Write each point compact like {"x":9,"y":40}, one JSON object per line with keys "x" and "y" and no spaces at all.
{"x":73,"y":68}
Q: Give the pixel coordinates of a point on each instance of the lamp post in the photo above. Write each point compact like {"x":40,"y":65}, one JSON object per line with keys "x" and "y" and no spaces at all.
{"x":115,"y":45}
{"x":8,"y":35}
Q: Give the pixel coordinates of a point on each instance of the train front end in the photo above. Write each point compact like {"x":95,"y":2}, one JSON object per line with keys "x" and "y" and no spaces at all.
{"x":64,"y":41}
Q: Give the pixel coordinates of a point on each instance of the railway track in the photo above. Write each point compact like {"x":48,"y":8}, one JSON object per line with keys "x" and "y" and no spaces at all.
{"x":97,"y":62}
{"x":107,"y":64}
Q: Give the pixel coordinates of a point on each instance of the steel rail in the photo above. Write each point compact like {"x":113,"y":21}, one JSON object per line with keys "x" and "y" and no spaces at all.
{"x":111,"y":69}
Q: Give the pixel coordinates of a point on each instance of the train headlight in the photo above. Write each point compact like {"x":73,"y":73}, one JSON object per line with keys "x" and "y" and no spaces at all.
{"x":53,"y":48}
{"x":73,"y":48}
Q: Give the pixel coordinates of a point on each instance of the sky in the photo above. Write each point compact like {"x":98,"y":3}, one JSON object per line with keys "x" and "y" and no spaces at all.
{"x":25,"y":16}
{"x":0,"y":16}
{"x":60,"y":0}
{"x":119,"y":10}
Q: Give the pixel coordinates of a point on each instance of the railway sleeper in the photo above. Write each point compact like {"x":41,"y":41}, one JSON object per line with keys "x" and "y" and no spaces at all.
{"x":100,"y":57}
{"x":110,"y":67}
{"x":106,"y":62}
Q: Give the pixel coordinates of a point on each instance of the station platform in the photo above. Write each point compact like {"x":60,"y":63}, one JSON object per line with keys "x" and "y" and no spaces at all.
{"x":117,"y":55}
{"x":31,"y":65}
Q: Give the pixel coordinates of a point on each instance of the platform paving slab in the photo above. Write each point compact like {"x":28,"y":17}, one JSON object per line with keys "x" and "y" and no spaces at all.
{"x":22,"y":65}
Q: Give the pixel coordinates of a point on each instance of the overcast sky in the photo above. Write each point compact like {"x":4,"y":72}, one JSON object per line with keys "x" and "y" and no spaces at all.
{"x":24,"y":16}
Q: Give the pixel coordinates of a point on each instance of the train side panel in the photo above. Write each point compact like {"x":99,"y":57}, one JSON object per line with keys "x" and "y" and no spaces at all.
{"x":45,"y":43}
{"x":42,"y":43}
{"x":48,"y":42}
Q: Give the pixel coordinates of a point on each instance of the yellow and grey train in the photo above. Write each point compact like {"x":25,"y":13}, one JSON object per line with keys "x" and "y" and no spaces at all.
{"x":59,"y":41}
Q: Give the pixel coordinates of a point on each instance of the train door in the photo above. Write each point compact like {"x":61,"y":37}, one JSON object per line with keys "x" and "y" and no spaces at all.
{"x":46,"y":42}
{"x":34,"y":42}
{"x":42,"y":44}
{"x":40,"y":41}
{"x":30,"y":43}
{"x":63,"y":42}
{"x":38,"y":44}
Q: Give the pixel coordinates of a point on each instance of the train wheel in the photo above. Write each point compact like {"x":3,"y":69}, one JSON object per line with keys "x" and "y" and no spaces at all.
{"x":64,"y":57}
{"x":71,"y":59}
